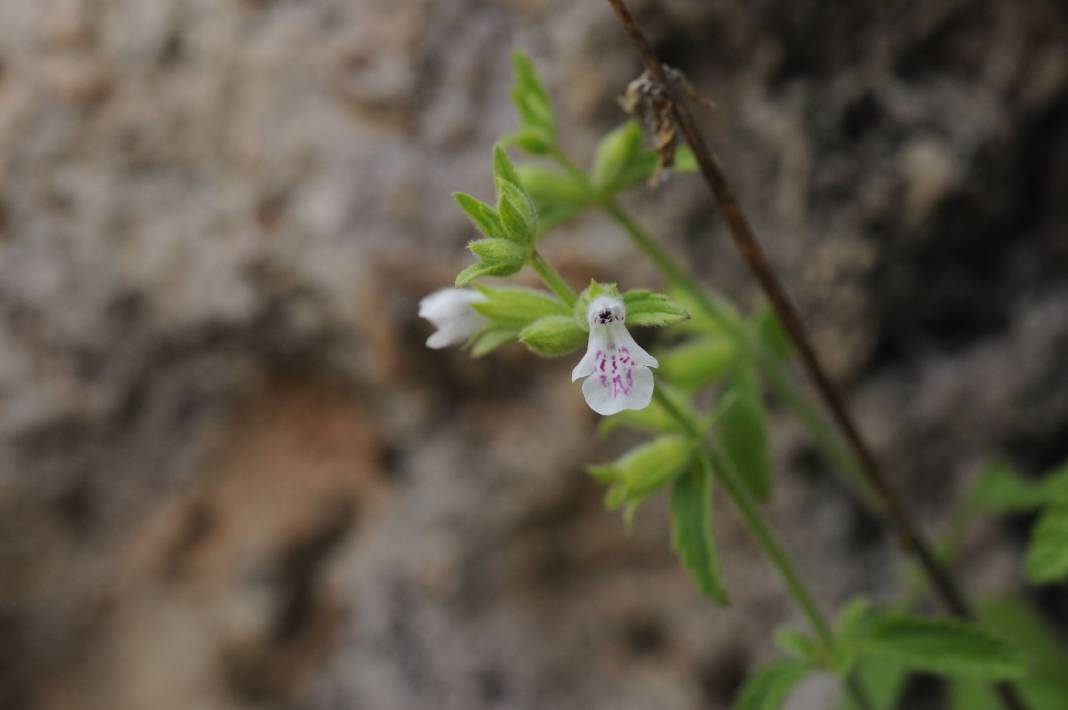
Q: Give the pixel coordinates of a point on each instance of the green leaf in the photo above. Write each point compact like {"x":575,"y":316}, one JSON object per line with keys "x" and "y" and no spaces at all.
{"x":476,"y":270}
{"x":488,"y":340}
{"x":644,"y":468}
{"x":944,"y":646}
{"x":517,"y":307}
{"x":518,"y":213}
{"x":647,"y":308}
{"x":1002,"y":490}
{"x":615,"y":153}
{"x":798,"y":644}
{"x":741,"y":429}
{"x":883,"y":682}
{"x":1047,"y":553}
{"x":553,"y":336}
{"x":532,"y":139}
{"x":772,"y":333}
{"x":698,"y":362}
{"x":495,"y":252}
{"x":530,"y":96}
{"x":654,"y":419}
{"x":502,"y":166}
{"x":768,"y":688}
{"x":692,"y":536}
{"x":484,"y":217}
{"x":550,"y":188}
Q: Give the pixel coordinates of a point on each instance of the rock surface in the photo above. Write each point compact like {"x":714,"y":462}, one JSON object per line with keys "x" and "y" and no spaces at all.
{"x":231,"y":476}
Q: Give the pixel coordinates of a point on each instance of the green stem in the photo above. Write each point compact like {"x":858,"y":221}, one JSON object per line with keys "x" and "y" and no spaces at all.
{"x":552,"y":278}
{"x":825,"y":435}
{"x":713,"y":462}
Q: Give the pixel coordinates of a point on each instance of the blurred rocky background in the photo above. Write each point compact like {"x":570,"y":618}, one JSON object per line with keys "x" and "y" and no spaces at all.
{"x":232,"y":476}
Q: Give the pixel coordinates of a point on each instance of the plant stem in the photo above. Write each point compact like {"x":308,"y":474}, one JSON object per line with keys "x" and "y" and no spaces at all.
{"x":712,"y":462}
{"x":910,"y":537}
{"x":552,"y":278}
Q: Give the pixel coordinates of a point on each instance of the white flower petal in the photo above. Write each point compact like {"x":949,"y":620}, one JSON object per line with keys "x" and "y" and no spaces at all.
{"x":598,"y":343}
{"x":609,"y":395}
{"x":625,"y":342}
{"x":450,"y":311}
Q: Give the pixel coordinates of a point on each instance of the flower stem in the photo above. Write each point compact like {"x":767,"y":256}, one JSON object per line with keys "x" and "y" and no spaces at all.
{"x":552,"y":278}
{"x":713,"y":462}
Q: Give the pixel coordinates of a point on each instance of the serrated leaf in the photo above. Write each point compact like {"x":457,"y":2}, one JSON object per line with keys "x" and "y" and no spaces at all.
{"x":518,"y":213}
{"x":484,"y":217}
{"x":494,"y":252}
{"x":554,"y":336}
{"x":741,"y":429}
{"x":550,"y":188}
{"x":943,"y":646}
{"x":644,"y":468}
{"x":698,"y":362}
{"x":490,"y":339}
{"x":517,"y":307}
{"x":531,"y":98}
{"x":647,"y":308}
{"x":1047,"y":553}
{"x":769,"y":686}
{"x":692,"y":536}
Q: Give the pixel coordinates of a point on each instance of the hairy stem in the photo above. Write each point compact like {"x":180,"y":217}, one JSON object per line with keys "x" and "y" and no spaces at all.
{"x":552,"y":278}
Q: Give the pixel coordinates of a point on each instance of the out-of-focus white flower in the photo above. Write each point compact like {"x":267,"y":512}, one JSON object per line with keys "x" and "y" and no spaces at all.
{"x":615,"y":367}
{"x":450,"y":311}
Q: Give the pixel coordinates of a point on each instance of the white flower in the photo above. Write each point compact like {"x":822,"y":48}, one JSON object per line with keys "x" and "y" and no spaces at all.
{"x":615,"y":367}
{"x":450,"y":311}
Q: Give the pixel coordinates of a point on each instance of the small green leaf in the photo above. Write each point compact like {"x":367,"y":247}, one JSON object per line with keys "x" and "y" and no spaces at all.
{"x":502,"y":166}
{"x":553,"y":336}
{"x":698,"y":362}
{"x":476,"y":270}
{"x":1002,"y":490}
{"x":490,"y":339}
{"x":692,"y":536}
{"x":517,"y":307}
{"x":484,"y":217}
{"x":644,"y":468}
{"x":518,"y":213}
{"x":495,"y":252}
{"x":944,"y":646}
{"x":769,"y":686}
{"x":532,"y":139}
{"x":798,"y":644}
{"x":550,"y":188}
{"x":1047,"y":553}
{"x":615,"y":153}
{"x":743,"y":435}
{"x":647,"y":308}
{"x":772,"y":334}
{"x":530,"y":96}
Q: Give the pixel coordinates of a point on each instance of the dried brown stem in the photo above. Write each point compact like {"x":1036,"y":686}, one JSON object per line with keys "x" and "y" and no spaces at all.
{"x":910,"y":537}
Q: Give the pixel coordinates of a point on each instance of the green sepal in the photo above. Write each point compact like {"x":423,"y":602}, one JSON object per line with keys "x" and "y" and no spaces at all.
{"x":550,"y":188}
{"x":692,"y":536}
{"x":768,"y":687}
{"x":498,"y":252}
{"x":595,"y":289}
{"x":699,"y":362}
{"x":648,"y":308}
{"x":484,"y":217}
{"x":518,"y":213}
{"x":517,"y":307}
{"x":644,"y":469}
{"x":553,"y":336}
{"x":489,"y":339}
